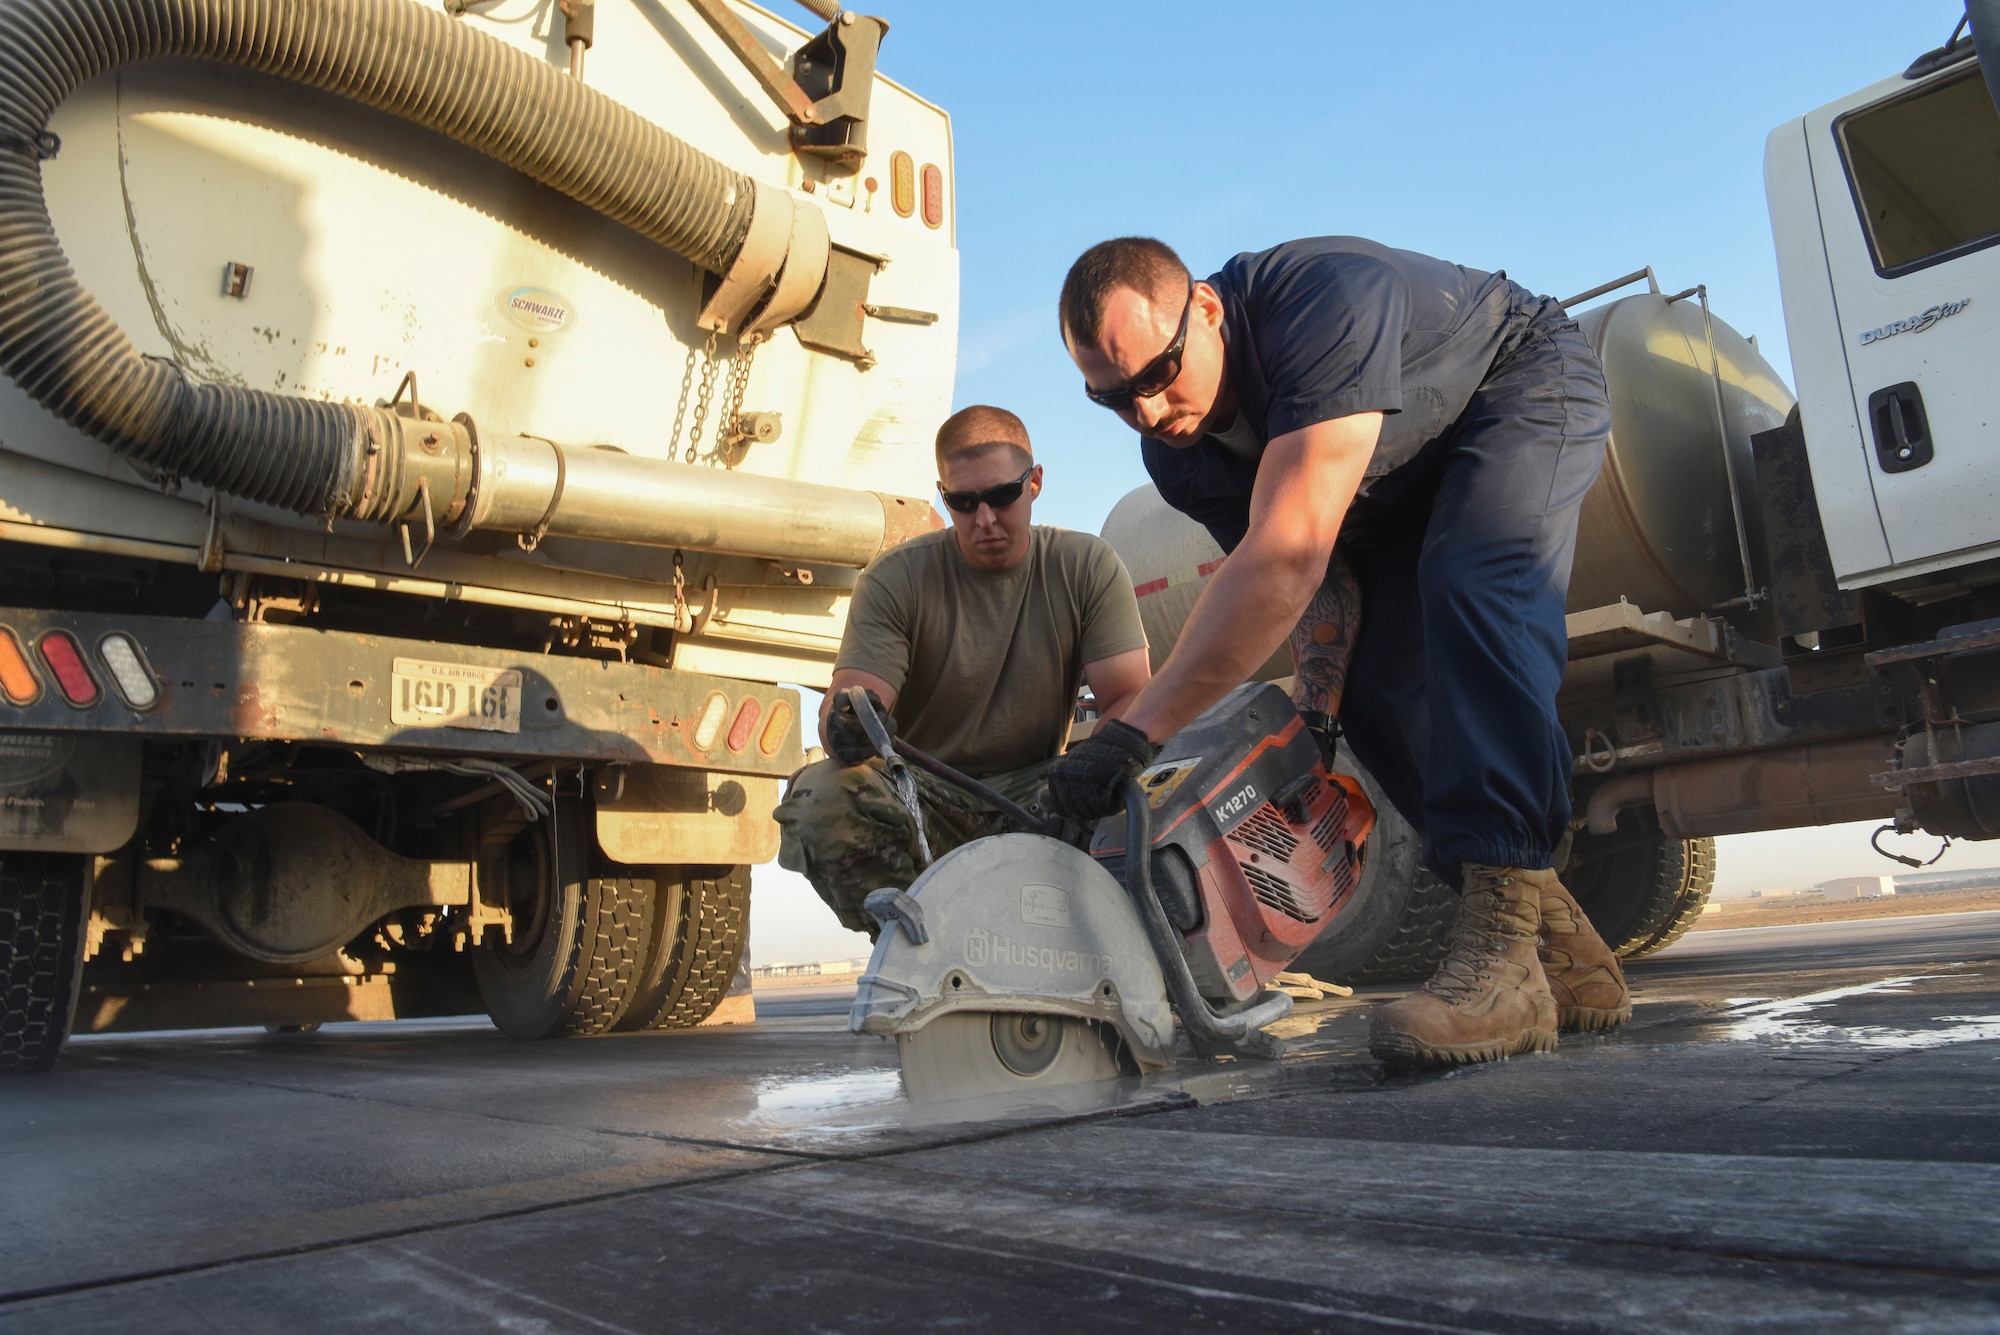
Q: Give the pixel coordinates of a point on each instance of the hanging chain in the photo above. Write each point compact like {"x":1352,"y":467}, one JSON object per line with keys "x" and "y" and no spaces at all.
{"x":731,"y":427}
{"x":681,"y":410}
{"x":702,"y":397}
{"x":681,"y":619}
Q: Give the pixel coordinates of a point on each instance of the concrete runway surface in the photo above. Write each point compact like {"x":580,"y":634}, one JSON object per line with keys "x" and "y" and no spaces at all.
{"x":1798,"y":1132}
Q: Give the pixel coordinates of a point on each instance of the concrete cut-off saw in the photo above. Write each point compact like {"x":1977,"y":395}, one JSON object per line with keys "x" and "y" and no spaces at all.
{"x":1023,"y":961}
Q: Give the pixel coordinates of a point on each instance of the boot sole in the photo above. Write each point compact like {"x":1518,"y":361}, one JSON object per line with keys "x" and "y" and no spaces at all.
{"x":1404,"y":1050}
{"x":1587,"y":1020}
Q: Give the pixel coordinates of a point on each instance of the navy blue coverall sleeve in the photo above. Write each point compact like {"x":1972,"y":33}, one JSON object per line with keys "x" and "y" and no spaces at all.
{"x":1329,"y":335}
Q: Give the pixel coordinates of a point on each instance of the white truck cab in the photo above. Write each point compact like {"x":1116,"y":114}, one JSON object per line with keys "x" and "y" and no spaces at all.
{"x":1885,"y":207}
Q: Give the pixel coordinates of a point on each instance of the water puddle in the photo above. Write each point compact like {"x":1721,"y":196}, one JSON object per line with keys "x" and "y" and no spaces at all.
{"x":841,"y":1103}
{"x":1799,"y":1022}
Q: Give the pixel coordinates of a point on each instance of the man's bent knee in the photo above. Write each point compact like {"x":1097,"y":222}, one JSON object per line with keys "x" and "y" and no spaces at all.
{"x":844,"y":828}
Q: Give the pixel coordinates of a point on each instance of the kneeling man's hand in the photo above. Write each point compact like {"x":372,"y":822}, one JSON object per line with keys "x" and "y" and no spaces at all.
{"x":1086,"y":783}
{"x":846,"y":738}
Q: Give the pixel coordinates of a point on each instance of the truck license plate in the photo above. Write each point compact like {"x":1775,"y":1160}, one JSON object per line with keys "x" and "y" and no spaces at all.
{"x":454,"y":695}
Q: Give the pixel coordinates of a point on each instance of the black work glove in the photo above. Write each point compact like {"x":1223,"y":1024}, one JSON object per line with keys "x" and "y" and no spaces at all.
{"x":846,"y":738}
{"x":1087,"y":782}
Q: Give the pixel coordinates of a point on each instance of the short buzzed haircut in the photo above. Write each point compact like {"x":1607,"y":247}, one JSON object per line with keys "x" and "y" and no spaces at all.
{"x":1147,"y":266}
{"x":979,"y":430}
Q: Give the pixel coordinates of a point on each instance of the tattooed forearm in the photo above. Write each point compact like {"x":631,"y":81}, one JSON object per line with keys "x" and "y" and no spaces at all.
{"x":1323,"y":641}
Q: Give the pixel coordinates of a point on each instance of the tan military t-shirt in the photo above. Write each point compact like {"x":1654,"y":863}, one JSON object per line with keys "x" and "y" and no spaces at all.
{"x":987,"y":663}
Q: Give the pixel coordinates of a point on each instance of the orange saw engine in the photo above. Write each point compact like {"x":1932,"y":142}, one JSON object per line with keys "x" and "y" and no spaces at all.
{"x":1256,"y":847}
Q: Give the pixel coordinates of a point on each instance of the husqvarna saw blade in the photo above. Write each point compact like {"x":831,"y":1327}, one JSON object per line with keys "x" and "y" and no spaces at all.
{"x":1014,"y":964}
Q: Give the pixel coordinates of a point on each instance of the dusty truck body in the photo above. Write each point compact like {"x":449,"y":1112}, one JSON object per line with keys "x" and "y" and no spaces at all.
{"x":1782,"y":613}
{"x":428,"y":436}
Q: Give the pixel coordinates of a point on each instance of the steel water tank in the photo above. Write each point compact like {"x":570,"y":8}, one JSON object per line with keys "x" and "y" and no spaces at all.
{"x":1656,"y":529}
{"x":1170,"y":558}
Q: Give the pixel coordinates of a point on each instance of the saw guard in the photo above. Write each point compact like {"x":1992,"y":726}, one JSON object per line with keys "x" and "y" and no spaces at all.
{"x":1017,"y":922}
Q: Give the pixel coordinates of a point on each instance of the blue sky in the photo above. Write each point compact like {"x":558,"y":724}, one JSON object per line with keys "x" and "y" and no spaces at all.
{"x":1566,"y":143}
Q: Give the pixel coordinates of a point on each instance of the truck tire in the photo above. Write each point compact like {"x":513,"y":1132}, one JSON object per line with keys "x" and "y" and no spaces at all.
{"x":701,"y":921}
{"x":43,"y":910}
{"x":579,"y":939}
{"x":1699,"y":881}
{"x":1397,"y":925}
{"x":1643,"y":896}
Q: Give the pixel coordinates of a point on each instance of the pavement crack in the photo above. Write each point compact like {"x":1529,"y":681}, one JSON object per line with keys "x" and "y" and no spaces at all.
{"x":791,"y":1160}
{"x":454,"y":1281}
{"x":1128,"y":1275}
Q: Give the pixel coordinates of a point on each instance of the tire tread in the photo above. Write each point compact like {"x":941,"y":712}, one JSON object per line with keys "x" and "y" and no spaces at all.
{"x":709,"y":946}
{"x":607,"y":955}
{"x":41,"y":929}
{"x":1698,"y":880}
{"x":1412,"y":951}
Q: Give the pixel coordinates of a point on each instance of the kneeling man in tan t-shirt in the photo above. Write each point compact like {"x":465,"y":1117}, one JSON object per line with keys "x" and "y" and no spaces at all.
{"x":975,"y":640}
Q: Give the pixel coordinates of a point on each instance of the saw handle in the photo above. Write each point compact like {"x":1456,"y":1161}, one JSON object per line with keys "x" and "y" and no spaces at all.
{"x":871,"y":723}
{"x":895,"y":750}
{"x":1208,"y":1029}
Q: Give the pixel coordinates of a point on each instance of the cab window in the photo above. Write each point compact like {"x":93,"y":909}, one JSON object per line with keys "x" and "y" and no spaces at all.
{"x":1925,"y":171}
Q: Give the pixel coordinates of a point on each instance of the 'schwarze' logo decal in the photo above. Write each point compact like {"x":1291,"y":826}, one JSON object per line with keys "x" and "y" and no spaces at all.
{"x":1916,"y":324}
{"x":537,"y":309}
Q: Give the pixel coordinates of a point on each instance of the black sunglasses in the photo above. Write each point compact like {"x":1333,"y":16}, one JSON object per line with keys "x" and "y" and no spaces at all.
{"x":1000,"y":497}
{"x":1155,"y":375}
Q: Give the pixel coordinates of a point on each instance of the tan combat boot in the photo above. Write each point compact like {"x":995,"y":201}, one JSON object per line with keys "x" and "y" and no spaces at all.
{"x":1583,"y":972}
{"x":1488,"y":998}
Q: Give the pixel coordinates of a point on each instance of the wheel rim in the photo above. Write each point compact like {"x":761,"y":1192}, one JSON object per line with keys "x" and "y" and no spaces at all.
{"x":527,"y":881}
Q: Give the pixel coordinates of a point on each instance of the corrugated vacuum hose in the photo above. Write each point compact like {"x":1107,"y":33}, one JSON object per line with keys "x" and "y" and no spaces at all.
{"x":395,"y":56}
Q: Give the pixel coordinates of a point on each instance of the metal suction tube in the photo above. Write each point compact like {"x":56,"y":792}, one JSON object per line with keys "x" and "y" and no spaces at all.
{"x":1206,"y":1026}
{"x":529,"y":485}
{"x":338,"y":459}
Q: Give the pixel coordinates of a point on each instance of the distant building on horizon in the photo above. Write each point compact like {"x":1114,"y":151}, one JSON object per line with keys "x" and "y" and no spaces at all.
{"x":1973,"y":878}
{"x":1858,"y":887}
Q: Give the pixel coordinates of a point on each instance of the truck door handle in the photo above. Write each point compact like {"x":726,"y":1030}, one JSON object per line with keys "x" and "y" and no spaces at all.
{"x":1902,"y":429}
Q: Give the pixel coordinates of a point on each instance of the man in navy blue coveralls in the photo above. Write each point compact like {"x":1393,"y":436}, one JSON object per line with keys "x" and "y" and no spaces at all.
{"x":1385,"y":439}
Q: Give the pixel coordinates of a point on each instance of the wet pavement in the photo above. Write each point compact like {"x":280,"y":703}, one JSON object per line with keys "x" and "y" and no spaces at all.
{"x":1799,"y":1131}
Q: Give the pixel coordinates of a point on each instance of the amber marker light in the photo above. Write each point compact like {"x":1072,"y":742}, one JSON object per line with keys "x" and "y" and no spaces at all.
{"x":18,"y":681}
{"x":903,"y":183}
{"x":65,"y":660}
{"x":746,"y":722}
{"x":121,"y":656}
{"x":775,"y":728}
{"x":709,"y":721}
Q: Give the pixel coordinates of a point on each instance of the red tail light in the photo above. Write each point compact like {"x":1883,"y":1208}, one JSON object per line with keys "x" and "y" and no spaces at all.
{"x":746,"y":721}
{"x":65,"y":659}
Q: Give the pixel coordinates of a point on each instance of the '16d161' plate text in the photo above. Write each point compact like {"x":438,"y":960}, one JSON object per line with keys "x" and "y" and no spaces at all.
{"x":424,"y":694}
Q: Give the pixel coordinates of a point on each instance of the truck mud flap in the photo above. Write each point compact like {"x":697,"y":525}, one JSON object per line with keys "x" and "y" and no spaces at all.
{"x":67,"y":792}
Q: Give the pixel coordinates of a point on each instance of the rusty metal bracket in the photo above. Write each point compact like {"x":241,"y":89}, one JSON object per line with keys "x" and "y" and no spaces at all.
{"x":712,"y":588}
{"x":772,"y":77}
{"x":825,"y":94}
{"x":1897,"y":779}
{"x":533,"y":538}
{"x":430,"y":526}
{"x":210,"y":559}
{"x":409,"y":382}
